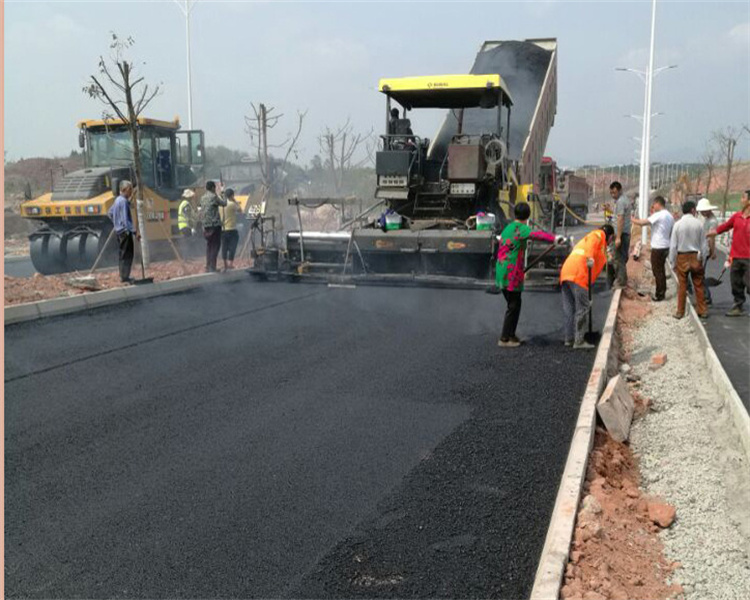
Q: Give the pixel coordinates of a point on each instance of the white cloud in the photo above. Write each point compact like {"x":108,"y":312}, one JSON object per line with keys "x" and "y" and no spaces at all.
{"x":337,"y":52}
{"x":48,"y":34}
{"x":740,"y":34}
{"x":542,"y":8}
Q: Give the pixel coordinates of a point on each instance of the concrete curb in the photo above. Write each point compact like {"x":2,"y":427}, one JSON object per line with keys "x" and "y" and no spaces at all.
{"x":554,"y":558}
{"x":732,"y":400}
{"x":19,"y":313}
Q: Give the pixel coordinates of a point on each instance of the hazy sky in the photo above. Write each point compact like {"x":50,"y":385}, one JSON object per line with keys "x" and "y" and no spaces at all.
{"x":327,"y":58}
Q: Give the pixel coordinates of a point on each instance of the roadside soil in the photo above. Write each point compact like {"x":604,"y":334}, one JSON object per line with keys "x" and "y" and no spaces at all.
{"x":616,"y":552}
{"x":44,"y":287}
{"x":664,"y":515}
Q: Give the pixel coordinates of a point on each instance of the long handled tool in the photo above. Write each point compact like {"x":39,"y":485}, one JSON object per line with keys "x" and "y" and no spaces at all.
{"x":714,"y":281}
{"x":143,"y":278}
{"x":592,"y":337}
{"x":493,"y":289}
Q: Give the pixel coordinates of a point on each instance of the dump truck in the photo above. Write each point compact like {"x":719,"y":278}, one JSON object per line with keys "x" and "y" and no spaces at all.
{"x":563,"y":196}
{"x":443,"y":201}
{"x":73,"y":217}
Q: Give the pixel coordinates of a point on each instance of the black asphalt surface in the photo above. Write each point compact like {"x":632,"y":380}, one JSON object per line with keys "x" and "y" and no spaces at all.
{"x":279,"y":440}
{"x":729,"y":336}
{"x":19,"y":266}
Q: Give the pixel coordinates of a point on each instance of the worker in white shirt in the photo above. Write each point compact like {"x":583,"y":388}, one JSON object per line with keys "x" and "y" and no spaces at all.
{"x":661,"y":222}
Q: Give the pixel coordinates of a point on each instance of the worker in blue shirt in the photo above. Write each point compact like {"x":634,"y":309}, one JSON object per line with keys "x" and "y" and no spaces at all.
{"x":122,"y":221}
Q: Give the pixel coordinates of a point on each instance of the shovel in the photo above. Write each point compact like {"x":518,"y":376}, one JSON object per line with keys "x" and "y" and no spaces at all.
{"x":714,"y":281}
{"x":143,"y":280}
{"x":591,"y":336}
{"x":493,"y":289}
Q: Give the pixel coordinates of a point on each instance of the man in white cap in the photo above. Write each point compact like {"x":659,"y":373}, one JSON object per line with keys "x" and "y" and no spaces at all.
{"x":710,"y":222}
{"x":661,"y":222}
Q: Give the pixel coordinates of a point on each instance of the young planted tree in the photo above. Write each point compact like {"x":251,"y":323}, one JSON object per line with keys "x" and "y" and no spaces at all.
{"x":257,"y":127}
{"x":125,"y":96}
{"x":726,"y":140}
{"x":709,"y":158}
{"x":339,"y":147}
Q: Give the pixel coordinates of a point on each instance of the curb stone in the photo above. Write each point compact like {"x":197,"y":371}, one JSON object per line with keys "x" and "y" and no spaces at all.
{"x":731,"y":398}
{"x":737,"y":411}
{"x":549,"y":574}
{"x":30,"y":311}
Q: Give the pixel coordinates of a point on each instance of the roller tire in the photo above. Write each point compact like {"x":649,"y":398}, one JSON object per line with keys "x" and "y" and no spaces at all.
{"x":93,"y":246}
{"x":74,"y":252}
{"x":47,"y":254}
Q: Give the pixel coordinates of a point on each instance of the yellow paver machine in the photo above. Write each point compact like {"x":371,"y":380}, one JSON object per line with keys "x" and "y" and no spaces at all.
{"x":440,"y":204}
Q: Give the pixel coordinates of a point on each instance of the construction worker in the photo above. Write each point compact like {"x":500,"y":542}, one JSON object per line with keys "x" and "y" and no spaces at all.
{"x":580,"y":270}
{"x":661,"y":222}
{"x":509,"y":270}
{"x":739,"y":253}
{"x":623,"y":212}
{"x":209,"y":210}
{"x":229,"y":234}
{"x":687,"y":248}
{"x":185,"y":220}
{"x":122,"y":221}
{"x":710,"y":222}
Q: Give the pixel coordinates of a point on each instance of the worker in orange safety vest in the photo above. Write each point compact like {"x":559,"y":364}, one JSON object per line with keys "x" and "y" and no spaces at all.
{"x":580,"y":270}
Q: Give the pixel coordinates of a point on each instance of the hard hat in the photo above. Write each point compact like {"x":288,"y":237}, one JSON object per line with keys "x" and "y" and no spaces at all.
{"x":705,"y":204}
{"x":188,"y":194}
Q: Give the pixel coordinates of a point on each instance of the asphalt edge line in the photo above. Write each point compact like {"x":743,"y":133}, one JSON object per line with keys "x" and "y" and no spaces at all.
{"x":30,"y":311}
{"x":554,"y":557}
{"x":737,"y":411}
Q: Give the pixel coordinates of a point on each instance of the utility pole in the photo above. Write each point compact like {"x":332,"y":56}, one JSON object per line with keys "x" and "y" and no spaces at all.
{"x":186,"y":6}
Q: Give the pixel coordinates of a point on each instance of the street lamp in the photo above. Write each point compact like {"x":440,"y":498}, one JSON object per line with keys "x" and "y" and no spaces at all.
{"x":648,"y":78}
{"x":186,"y":6}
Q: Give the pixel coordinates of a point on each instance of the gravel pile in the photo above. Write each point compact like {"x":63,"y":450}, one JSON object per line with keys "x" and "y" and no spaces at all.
{"x":690,"y":455}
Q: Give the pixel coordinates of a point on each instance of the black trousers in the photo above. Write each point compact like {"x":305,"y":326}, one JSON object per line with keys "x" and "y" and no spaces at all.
{"x":213,"y":243}
{"x":512,"y":314}
{"x":739,"y":277}
{"x":126,"y":254}
{"x":622,"y":260}
{"x":658,"y":266}
{"x":229,"y":240}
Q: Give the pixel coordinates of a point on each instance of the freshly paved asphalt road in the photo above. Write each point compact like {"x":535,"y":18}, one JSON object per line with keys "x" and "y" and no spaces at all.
{"x":730,"y":336}
{"x":19,"y":266}
{"x":278,"y":440}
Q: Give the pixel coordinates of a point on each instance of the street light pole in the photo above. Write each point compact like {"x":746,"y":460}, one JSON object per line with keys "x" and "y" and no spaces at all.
{"x":647,"y":77}
{"x":646,"y":159}
{"x":186,"y":6}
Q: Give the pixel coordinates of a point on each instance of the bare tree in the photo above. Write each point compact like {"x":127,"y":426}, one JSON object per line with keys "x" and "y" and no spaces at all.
{"x":709,"y":158}
{"x":257,"y":127}
{"x":125,"y":96}
{"x":726,"y":139}
{"x":339,"y":147}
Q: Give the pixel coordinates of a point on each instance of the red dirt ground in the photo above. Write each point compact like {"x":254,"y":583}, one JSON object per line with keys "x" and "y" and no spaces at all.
{"x":44,"y":287}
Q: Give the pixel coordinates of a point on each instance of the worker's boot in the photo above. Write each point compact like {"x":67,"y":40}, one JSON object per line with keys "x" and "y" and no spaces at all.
{"x":735,"y":311}
{"x":584,"y":345}
{"x":509,"y":343}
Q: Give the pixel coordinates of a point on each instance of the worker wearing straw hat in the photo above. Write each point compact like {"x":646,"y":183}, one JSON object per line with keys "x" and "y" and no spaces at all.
{"x":705,"y":208}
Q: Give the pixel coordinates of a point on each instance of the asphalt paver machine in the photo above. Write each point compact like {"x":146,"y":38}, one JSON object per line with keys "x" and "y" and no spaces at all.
{"x":440,"y":204}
